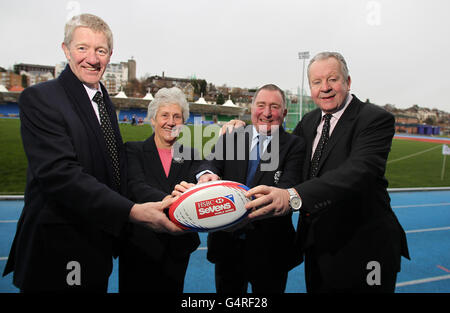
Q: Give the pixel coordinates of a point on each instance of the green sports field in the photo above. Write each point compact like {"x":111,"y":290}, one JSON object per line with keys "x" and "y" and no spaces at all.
{"x":410,"y":164}
{"x":416,"y":164}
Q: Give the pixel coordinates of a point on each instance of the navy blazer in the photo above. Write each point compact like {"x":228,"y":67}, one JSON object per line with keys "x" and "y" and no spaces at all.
{"x":71,"y":211}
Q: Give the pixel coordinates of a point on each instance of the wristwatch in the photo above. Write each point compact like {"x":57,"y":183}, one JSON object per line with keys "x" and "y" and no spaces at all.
{"x":294,"y":200}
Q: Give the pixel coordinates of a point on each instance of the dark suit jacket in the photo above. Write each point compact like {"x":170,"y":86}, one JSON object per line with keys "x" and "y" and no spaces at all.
{"x":346,"y":212}
{"x":71,"y":211}
{"x":269,"y":243}
{"x":147,"y":181}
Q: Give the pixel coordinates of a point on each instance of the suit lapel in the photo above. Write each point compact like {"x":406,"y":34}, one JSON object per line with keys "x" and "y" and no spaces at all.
{"x":342,"y":126}
{"x":119,"y":142}
{"x":83,"y":106}
{"x":265,"y":157}
{"x":309,"y":130}
{"x":112,"y":115}
{"x":177,"y":164}
{"x":81,"y":102}
{"x":241,"y":166}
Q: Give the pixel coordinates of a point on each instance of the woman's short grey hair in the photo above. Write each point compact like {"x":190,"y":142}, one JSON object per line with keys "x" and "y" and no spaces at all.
{"x":90,"y":21}
{"x":326,"y":55}
{"x":166,"y":96}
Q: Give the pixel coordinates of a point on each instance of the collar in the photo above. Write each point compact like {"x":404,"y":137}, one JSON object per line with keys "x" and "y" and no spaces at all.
{"x":256,"y":134}
{"x":92,"y":91}
{"x":341,"y":110}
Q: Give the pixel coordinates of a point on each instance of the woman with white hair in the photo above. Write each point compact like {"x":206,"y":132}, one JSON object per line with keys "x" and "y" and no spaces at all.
{"x":150,"y":261}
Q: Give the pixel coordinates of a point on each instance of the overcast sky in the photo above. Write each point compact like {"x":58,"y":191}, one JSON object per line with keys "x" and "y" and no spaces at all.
{"x":398,"y":52}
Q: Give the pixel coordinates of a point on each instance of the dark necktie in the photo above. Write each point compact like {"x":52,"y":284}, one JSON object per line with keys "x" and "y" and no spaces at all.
{"x":253,"y":163}
{"x":320,"y":146}
{"x":110,"y":138}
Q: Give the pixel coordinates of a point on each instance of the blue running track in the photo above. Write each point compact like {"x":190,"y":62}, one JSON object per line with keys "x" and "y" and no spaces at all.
{"x":425,"y":216}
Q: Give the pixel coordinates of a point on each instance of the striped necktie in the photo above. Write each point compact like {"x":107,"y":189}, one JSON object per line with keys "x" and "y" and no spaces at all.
{"x":320,"y":146}
{"x":110,"y":138}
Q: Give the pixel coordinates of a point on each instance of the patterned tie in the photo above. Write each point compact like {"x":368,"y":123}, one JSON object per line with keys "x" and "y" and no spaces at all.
{"x":253,"y":163}
{"x":320,"y":146}
{"x":108,"y":133}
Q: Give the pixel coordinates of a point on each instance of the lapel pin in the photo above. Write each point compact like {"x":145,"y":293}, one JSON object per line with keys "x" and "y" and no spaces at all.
{"x":178,"y":160}
{"x":276,"y":177}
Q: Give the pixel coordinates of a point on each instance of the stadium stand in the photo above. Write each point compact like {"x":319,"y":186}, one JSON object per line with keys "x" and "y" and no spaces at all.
{"x":9,"y":110}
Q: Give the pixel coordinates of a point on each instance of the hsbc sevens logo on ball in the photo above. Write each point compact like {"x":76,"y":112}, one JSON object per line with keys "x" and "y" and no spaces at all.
{"x":215,"y":206}
{"x":210,"y":206}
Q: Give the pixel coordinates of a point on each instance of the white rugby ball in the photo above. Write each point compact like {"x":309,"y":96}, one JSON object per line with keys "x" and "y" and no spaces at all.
{"x":210,"y":206}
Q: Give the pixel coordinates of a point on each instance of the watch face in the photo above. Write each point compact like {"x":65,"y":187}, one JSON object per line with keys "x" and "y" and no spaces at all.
{"x":296,"y":203}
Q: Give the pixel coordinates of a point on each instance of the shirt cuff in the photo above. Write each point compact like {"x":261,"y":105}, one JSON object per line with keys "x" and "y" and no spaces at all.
{"x":203,"y":172}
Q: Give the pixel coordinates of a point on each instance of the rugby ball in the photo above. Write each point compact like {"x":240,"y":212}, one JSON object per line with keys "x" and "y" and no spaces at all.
{"x":210,"y":206}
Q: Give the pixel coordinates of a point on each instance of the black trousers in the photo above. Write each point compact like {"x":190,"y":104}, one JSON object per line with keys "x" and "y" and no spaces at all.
{"x":233,"y":277}
{"x":318,"y":282}
{"x":67,"y":259}
{"x":138,"y":272}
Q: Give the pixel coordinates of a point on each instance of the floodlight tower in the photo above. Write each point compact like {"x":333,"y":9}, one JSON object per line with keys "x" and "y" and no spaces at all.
{"x":302,"y":56}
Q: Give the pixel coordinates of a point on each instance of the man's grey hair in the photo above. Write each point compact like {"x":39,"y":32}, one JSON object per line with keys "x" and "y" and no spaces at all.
{"x":90,"y":21}
{"x":271,"y":87}
{"x":166,"y":96}
{"x":326,"y":55}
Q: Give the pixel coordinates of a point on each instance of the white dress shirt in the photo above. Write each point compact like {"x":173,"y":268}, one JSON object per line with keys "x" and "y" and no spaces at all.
{"x":255,"y":134}
{"x":266,"y":140}
{"x":91,"y":93}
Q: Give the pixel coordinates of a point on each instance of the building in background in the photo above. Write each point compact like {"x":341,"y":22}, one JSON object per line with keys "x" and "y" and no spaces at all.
{"x":32,"y":78}
{"x":154,"y":83}
{"x":25,"y":75}
{"x":131,"y":69}
{"x":213,"y":106}
{"x":34,"y":68}
{"x":10,"y":79}
{"x":116,"y":75}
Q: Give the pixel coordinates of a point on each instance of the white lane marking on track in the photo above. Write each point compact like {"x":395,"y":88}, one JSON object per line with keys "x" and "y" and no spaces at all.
{"x":420,"y":205}
{"x":427,"y":229}
{"x":422,"y":281}
{"x":9,"y":221}
{"x":413,"y":155}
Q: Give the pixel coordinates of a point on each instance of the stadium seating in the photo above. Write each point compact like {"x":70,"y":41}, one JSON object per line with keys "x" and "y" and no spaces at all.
{"x":9,"y":109}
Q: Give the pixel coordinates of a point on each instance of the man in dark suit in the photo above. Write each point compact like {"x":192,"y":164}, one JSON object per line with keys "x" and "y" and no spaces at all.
{"x":74,"y":209}
{"x":262,"y":252}
{"x":350,"y":236}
